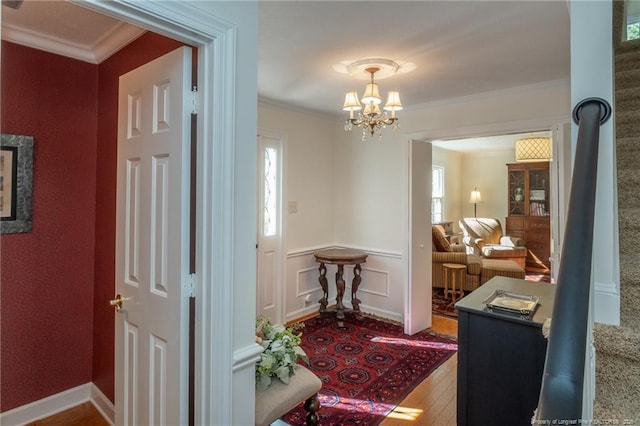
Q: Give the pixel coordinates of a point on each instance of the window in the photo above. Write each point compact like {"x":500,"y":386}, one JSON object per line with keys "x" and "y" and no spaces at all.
{"x":437,"y":193}
{"x":632,"y":11}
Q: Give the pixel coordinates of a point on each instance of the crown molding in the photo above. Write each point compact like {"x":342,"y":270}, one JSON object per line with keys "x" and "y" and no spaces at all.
{"x":119,"y":36}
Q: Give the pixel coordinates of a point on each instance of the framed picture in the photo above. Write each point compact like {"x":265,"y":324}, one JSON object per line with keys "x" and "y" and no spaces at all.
{"x":537,"y":195}
{"x":16,"y":183}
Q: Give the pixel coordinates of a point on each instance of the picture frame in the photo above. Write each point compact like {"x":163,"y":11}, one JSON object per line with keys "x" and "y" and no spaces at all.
{"x":16,"y":183}
{"x":537,"y":195}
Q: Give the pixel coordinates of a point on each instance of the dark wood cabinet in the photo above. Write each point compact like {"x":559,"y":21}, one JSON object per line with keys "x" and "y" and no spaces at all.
{"x":529,"y":211}
{"x":500,"y":356}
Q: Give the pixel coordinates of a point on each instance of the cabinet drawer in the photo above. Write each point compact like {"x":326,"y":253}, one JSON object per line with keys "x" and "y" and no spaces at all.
{"x":538,"y":223}
{"x":540,"y":237}
{"x":515,"y":223}
{"x":537,"y":246}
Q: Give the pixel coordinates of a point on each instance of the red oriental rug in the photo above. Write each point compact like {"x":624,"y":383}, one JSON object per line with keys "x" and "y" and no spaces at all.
{"x":441,"y":305}
{"x":367,"y":367}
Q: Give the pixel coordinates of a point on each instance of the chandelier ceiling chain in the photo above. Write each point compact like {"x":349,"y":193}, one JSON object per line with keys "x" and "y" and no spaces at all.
{"x":371,"y":118}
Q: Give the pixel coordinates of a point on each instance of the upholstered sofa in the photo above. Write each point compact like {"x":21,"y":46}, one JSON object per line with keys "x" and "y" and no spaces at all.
{"x":479,"y":270}
{"x":444,"y":252}
{"x":483,"y":237}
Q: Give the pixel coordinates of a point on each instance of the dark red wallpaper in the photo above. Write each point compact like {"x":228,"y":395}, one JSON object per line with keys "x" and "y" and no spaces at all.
{"x":141,"y":51}
{"x":56,"y":329}
{"x":47,"y":275}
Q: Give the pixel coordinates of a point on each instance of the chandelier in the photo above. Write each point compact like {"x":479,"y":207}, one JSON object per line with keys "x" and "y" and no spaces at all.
{"x":371,"y":119}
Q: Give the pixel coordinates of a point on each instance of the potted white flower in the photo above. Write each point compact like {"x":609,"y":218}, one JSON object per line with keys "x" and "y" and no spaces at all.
{"x":281,"y":352}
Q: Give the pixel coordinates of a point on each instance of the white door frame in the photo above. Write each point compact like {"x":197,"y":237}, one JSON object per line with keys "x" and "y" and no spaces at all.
{"x":521,"y":126}
{"x":217,"y":365}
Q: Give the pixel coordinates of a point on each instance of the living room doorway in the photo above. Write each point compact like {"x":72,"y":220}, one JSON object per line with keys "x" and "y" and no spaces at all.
{"x":477,"y":167}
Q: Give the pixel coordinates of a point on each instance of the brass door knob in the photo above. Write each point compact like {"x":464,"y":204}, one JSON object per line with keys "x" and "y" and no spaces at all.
{"x":117,"y":302}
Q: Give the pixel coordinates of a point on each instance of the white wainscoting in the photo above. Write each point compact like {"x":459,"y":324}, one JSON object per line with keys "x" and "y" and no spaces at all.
{"x":381,"y":291}
{"x":57,"y":403}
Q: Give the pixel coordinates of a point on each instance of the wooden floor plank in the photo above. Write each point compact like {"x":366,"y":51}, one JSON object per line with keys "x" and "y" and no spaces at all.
{"x":81,"y":415}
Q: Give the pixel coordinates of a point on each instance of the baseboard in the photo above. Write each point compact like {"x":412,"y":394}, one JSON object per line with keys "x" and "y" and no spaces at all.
{"x":103,"y":404}
{"x":59,"y":402}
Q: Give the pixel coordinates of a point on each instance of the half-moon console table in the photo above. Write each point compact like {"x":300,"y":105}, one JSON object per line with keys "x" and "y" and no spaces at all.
{"x":340,"y":257}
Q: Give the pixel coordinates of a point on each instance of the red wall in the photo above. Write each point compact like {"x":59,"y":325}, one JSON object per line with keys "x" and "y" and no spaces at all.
{"x":47,"y":275}
{"x":141,"y":51}
{"x":56,"y":329}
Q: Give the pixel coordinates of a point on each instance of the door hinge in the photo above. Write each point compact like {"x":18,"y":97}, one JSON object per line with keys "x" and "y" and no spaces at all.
{"x":194,"y":100}
{"x":189,"y":286}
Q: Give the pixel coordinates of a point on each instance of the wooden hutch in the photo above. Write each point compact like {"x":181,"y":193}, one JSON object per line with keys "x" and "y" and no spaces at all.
{"x":529,"y":211}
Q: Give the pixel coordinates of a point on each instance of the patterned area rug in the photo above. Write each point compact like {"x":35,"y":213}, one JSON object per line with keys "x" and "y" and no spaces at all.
{"x":367,"y":367}
{"x":441,"y":306}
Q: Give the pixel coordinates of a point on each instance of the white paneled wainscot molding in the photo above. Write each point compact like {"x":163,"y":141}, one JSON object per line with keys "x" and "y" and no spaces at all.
{"x":381,"y":290}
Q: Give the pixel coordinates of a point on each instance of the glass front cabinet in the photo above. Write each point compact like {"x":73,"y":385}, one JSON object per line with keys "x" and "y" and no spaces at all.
{"x":530,"y":210}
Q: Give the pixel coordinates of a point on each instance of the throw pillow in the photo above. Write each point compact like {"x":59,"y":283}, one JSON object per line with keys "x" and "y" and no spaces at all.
{"x":442,"y":244}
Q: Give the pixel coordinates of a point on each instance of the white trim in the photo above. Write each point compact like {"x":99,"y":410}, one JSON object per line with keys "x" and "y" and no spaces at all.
{"x":215,"y":39}
{"x":394,"y":316}
{"x":115,"y":39}
{"x":59,"y":402}
{"x":307,"y":251}
{"x":502,"y":128}
{"x":304,"y":293}
{"x":104,"y":406}
{"x":46,"y":407}
{"x":371,"y":251}
{"x":246,"y":356}
{"x":374,"y":251}
{"x":386,"y":282}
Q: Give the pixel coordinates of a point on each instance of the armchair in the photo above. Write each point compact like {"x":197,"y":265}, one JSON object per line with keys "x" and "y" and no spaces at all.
{"x":443,"y":252}
{"x":484,"y":237}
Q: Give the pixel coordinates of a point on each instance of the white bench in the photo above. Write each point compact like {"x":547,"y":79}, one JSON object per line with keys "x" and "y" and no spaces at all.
{"x":279,"y":398}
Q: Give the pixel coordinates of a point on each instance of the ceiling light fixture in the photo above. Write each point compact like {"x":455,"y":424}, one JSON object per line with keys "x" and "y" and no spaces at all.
{"x":372,"y":119}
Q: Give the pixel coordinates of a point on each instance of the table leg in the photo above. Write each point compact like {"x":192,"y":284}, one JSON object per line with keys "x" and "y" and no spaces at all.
{"x":340,"y":286}
{"x":355,"y":302}
{"x":325,"y":287}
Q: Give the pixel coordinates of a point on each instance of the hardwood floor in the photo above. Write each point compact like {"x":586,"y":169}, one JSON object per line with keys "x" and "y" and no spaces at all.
{"x":82,"y":415}
{"x":432,"y":402}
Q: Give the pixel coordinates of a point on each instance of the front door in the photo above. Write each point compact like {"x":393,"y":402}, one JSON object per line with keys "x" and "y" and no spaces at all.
{"x":269,"y":291}
{"x":152,"y":243}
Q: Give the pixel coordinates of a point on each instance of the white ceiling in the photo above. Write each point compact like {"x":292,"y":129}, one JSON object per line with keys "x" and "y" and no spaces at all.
{"x":459,"y":47}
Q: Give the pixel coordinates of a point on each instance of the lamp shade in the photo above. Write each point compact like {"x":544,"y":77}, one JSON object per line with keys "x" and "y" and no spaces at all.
{"x":533,"y":149}
{"x":393,"y":102}
{"x":475,"y":197}
{"x":371,"y":94}
{"x":351,"y":102}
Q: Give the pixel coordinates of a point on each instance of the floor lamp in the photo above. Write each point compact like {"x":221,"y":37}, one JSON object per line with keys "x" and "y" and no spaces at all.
{"x":475,"y":199}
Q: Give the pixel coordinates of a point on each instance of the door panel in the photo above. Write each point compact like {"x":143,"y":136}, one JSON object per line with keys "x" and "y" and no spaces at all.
{"x":270,"y":301}
{"x":152,"y":242}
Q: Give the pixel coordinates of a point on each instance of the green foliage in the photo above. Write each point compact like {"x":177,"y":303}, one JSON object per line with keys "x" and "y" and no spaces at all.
{"x":633,"y":31}
{"x":281,"y":352}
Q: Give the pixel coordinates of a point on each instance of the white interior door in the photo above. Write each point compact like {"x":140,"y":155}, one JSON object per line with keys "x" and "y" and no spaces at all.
{"x":269,"y":276}
{"x":152,"y":243}
{"x":417,"y":307}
